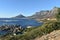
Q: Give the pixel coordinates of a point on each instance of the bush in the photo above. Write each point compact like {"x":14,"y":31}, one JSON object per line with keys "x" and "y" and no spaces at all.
{"x":45,"y":29}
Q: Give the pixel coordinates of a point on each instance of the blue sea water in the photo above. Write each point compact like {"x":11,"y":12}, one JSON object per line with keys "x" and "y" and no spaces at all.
{"x":23,"y":22}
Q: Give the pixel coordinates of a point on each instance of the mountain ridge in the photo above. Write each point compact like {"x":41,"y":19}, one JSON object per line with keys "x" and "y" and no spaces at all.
{"x":43,"y":14}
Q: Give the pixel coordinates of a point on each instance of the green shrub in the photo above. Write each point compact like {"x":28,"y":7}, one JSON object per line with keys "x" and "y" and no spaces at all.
{"x":45,"y":29}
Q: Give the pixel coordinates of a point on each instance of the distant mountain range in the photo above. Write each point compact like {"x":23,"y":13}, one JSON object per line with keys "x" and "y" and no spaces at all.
{"x":45,"y":14}
{"x":19,"y":16}
{"x":42,"y":14}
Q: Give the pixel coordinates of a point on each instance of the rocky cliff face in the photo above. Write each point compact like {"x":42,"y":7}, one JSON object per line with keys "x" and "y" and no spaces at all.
{"x":45,"y":14}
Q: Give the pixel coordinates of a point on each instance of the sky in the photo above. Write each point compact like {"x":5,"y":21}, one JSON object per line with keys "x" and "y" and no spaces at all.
{"x":11,"y":8}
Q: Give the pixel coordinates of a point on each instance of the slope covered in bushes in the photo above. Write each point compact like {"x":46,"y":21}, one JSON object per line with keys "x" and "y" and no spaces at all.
{"x":39,"y":31}
{"x":43,"y":30}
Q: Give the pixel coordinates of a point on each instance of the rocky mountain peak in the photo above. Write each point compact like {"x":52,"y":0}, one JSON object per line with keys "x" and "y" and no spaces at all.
{"x":19,"y":16}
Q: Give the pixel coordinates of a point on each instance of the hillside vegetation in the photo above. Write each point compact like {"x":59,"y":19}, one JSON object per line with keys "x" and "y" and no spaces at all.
{"x":37,"y":32}
{"x":55,"y":35}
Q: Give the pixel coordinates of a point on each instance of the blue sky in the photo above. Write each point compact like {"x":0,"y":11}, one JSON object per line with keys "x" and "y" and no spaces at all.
{"x":11,"y":8}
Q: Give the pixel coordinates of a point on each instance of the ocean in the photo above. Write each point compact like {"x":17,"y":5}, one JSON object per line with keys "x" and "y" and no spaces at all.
{"x":24,"y":22}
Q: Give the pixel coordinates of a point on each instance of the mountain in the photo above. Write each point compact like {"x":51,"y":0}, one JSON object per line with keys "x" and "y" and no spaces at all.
{"x":45,"y":14}
{"x":19,"y":16}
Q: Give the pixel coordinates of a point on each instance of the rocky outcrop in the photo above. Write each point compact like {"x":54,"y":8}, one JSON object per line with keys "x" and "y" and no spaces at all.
{"x":55,"y":35}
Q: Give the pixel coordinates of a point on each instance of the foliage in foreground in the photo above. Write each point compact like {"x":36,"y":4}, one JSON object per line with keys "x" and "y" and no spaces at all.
{"x":38,"y":32}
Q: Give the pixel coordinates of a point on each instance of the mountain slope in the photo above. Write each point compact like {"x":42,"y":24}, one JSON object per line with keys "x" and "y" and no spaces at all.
{"x":45,"y":14}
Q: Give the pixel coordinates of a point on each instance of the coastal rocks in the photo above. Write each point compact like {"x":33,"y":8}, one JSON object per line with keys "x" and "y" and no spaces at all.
{"x":10,"y":29}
